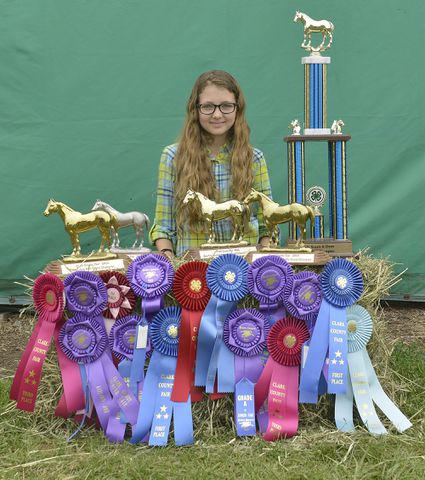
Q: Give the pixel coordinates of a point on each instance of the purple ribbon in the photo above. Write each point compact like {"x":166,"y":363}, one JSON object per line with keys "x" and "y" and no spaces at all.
{"x":245,"y":335}
{"x":84,"y":340}
{"x":267,"y":279}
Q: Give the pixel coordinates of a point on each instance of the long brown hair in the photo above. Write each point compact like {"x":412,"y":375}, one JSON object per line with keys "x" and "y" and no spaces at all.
{"x":192,"y":165}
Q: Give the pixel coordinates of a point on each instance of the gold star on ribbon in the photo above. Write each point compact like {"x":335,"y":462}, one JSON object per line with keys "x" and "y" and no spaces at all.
{"x":158,"y":415}
{"x":163,"y":408}
{"x":333,"y":361}
{"x":166,"y":416}
{"x":32,"y":373}
{"x":27,"y":380}
{"x":341,"y":362}
{"x":338,"y":354}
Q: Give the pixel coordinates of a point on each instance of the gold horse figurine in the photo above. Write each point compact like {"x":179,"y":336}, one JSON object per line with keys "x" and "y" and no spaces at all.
{"x":212,"y":211}
{"x":274,"y":214}
{"x":325,"y":27}
{"x":76,"y":223}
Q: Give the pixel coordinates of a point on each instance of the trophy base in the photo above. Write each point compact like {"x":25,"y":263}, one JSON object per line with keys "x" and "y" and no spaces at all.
{"x":332,"y":247}
{"x":130,"y":251}
{"x":89,"y":264}
{"x":92,"y":256}
{"x":295,"y":256}
{"x":242,"y":243}
{"x":210,"y":251}
{"x":293,"y":249}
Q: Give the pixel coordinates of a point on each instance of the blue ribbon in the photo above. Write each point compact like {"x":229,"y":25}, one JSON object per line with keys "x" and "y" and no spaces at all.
{"x":156,"y":407}
{"x":342,"y":285}
{"x":245,"y":408}
{"x":226,"y":278}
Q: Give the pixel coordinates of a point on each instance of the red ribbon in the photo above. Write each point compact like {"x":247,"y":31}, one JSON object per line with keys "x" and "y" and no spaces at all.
{"x":191,"y":291}
{"x":279,"y":379}
{"x":72,"y":399}
{"x":49,"y":302}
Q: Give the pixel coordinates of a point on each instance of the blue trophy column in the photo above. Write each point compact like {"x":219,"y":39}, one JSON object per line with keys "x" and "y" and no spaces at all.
{"x":315,"y":94}
{"x":296,"y":179}
{"x":338,"y":190}
{"x":317,"y":230}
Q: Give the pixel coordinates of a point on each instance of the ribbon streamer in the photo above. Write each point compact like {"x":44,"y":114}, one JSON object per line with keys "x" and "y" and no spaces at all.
{"x":226,"y":278}
{"x":364,"y":386}
{"x":267,"y":279}
{"x":157,"y":408}
{"x":191,"y":291}
{"x":342,"y":284}
{"x":49,"y":303}
{"x":278,"y":382}
{"x":244,"y":334}
{"x":84,"y":341}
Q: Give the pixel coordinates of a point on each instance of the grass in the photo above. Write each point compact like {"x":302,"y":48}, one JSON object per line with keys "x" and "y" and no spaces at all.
{"x":35,"y":446}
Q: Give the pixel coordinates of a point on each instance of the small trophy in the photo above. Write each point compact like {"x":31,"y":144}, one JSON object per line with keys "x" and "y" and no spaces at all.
{"x":138,"y":220}
{"x":76,"y":223}
{"x":239,"y":214}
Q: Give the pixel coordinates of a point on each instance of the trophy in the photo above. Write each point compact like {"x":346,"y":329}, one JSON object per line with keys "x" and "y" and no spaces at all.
{"x":315,"y":113}
{"x":138,"y":220}
{"x":239,"y":214}
{"x":76,"y":223}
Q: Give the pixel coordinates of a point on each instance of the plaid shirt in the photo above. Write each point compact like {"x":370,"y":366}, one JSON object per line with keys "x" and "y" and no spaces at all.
{"x":183,"y":239}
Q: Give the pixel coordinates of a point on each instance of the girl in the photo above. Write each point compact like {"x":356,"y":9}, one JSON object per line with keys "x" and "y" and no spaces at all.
{"x":213,"y":157}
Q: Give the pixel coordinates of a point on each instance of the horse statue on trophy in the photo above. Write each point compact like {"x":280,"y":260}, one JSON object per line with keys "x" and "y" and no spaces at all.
{"x":77,"y":222}
{"x":274,"y":214}
{"x":325,"y":27}
{"x":212,"y":211}
{"x":138,"y":220}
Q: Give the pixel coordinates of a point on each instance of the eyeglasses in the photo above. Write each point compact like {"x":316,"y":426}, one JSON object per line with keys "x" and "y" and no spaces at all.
{"x":209,"y":108}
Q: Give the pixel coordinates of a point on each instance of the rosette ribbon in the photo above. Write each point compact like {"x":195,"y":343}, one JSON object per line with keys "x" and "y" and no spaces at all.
{"x":364,"y":386}
{"x":267,"y":279}
{"x":226,"y":278}
{"x":121,"y":298}
{"x":278,"y":383}
{"x":303,"y":297}
{"x":49,"y":302}
{"x":342,"y":284}
{"x":191,"y":291}
{"x":156,"y":406}
{"x":245,"y":332}
{"x":84,"y":340}
{"x":150,"y":277}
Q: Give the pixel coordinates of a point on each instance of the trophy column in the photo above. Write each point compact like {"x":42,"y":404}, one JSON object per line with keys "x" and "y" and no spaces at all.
{"x":296,"y":180}
{"x":315,"y":94}
{"x":338,"y":228}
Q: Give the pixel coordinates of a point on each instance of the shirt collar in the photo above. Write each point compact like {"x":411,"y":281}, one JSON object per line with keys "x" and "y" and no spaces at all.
{"x":223,"y":154}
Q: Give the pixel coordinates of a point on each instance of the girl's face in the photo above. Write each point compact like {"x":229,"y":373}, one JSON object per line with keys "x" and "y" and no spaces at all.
{"x":217,"y":124}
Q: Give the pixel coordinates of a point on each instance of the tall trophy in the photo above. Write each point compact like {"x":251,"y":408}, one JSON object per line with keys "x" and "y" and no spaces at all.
{"x":336,"y":243}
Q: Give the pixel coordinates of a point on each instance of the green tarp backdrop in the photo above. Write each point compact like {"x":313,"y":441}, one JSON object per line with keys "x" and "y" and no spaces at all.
{"x":92,"y":90}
